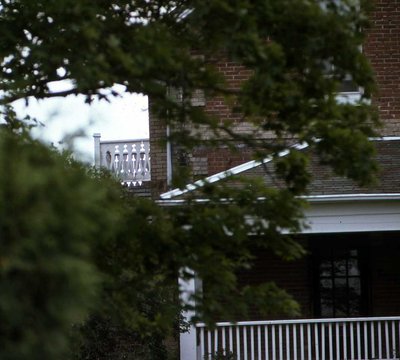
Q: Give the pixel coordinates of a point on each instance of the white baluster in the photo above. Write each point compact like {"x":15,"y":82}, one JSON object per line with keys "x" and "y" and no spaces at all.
{"x":337,"y":341}
{"x":209,"y":344}
{"x":366,"y":353}
{"x":309,"y":342}
{"x":322,"y":341}
{"x":302,"y":341}
{"x":266,"y":342}
{"x":140,"y":163}
{"x":280,"y":339}
{"x":134,"y":160}
{"x":344,"y":341}
{"x":238,"y":342}
{"x":223,"y":340}
{"x":245,"y":350}
{"x":202,"y":343}
{"x":394,"y":348}
{"x":148,"y":158}
{"x":252,"y":342}
{"x":352,"y":340}
{"x":273,"y":343}
{"x":387,"y":339}
{"x":316,"y":341}
{"x":330,"y":341}
{"x":230,"y":339}
{"x":287,"y":342}
{"x":142,"y":159}
{"x":358,"y":341}
{"x":294,"y":341}
{"x":380,"y":339}
{"x":116,"y":166}
{"x":124,"y":167}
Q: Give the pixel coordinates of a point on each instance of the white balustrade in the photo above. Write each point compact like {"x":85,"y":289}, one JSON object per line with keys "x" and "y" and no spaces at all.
{"x":128,"y":160}
{"x":306,"y":339}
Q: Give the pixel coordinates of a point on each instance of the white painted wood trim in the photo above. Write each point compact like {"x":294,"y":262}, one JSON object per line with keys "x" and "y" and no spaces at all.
{"x":350,"y":216}
{"x":188,"y":340}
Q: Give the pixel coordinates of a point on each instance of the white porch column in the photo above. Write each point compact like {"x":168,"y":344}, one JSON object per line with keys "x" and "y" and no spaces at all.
{"x":188,"y":340}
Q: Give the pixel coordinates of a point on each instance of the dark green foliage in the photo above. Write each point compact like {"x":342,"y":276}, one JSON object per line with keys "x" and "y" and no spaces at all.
{"x":222,"y":355}
{"x":298,"y":53}
{"x":63,"y":232}
{"x":69,"y":248}
{"x":49,"y":211}
{"x":102,"y":339}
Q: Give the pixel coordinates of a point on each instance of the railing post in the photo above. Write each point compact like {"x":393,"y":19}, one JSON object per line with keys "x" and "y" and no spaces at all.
{"x":188,"y":340}
{"x":97,"y":137}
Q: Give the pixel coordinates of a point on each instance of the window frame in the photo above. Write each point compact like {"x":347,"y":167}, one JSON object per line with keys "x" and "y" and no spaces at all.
{"x":341,"y":243}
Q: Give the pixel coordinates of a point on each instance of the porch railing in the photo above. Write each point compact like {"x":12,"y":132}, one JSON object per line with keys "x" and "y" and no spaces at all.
{"x":128,"y":160}
{"x":320,"y":339}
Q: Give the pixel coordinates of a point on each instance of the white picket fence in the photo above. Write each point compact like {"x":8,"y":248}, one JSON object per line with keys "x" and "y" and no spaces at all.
{"x":306,"y":339}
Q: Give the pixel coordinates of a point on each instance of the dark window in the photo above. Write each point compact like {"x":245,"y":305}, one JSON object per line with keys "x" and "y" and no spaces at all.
{"x":348,"y":85}
{"x":339,"y":282}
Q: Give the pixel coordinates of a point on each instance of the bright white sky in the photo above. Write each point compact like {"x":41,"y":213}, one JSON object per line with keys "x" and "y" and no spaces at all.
{"x":125,"y":117}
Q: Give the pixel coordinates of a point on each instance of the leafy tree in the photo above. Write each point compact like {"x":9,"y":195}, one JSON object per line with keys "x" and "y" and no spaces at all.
{"x":68,"y":250}
{"x":297,"y":53}
{"x":48,"y":218}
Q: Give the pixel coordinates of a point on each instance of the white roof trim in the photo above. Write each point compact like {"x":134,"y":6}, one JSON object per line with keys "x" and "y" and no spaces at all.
{"x":386,"y":138}
{"x":352,"y":197}
{"x":224,"y":174}
{"x":311,"y":198}
{"x":248,"y":166}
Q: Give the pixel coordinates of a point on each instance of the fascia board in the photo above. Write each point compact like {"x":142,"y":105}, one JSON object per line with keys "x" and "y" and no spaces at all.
{"x":311,"y":199}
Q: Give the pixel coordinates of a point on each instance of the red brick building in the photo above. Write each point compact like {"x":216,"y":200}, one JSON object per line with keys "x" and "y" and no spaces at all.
{"x":349,"y":284}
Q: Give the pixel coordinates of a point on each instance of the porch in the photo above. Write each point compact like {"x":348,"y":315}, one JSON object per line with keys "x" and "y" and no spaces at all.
{"x":338,"y":338}
{"x":347,"y":286}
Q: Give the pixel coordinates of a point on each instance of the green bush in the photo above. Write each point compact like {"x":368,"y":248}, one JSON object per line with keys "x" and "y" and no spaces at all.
{"x":50,"y":212}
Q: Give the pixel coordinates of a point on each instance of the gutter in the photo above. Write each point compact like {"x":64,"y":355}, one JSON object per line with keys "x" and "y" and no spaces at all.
{"x":351,"y":197}
{"x":310,"y":198}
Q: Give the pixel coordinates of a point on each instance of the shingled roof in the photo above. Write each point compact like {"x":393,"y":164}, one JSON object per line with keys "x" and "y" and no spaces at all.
{"x":324,"y":181}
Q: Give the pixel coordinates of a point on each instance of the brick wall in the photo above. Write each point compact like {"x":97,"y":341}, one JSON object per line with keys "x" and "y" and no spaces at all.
{"x":293,"y":276}
{"x":143,"y":190}
{"x":158,"y":130}
{"x":383,"y":49}
{"x":234,"y":75}
{"x":385,"y":275}
{"x":206,"y":161}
